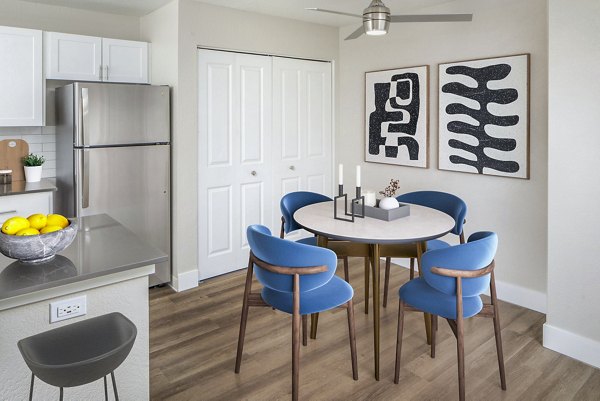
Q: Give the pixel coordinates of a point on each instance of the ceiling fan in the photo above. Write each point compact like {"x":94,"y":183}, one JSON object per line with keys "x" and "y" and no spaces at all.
{"x":377,"y":18}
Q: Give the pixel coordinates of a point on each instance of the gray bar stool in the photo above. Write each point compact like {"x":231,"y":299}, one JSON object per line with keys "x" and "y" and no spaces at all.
{"x":79,"y":353}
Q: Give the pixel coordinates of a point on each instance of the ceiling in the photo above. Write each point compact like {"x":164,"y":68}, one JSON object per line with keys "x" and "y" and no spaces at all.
{"x":294,"y":9}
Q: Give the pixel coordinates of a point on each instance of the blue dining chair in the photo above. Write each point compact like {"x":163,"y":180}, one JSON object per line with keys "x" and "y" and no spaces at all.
{"x":453,"y":280}
{"x":450,"y":204}
{"x":298,"y":279}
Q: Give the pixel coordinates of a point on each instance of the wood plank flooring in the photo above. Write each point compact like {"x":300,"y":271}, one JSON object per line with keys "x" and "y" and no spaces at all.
{"x":193,"y":338}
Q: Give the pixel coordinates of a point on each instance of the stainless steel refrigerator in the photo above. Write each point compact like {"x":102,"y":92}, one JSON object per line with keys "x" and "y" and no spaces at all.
{"x":113,"y":157}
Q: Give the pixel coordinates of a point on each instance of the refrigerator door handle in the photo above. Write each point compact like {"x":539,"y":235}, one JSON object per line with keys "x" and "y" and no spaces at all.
{"x":85,"y":180}
{"x":83,"y":112}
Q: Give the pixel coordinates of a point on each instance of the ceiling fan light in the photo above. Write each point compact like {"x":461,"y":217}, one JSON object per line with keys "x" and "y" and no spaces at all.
{"x":376,"y":19}
{"x":376,"y":27}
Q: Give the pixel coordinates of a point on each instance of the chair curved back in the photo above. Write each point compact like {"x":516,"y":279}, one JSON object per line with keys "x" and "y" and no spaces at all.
{"x":294,"y":201}
{"x":450,"y":204}
{"x":281,"y":252}
{"x":477,"y":253}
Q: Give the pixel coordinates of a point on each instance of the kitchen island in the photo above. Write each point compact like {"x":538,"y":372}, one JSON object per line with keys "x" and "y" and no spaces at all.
{"x":108,"y":264}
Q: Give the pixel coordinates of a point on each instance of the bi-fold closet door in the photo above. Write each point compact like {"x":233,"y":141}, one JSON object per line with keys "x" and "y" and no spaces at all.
{"x":264,"y":126}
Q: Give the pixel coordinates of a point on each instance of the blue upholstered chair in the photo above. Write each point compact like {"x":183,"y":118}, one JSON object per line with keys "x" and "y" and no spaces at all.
{"x":298,"y":279}
{"x":450,"y":204}
{"x":453,"y":280}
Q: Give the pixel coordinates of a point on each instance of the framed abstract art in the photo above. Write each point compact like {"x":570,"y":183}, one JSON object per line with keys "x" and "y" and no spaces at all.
{"x":484,"y":116}
{"x":396,"y":116}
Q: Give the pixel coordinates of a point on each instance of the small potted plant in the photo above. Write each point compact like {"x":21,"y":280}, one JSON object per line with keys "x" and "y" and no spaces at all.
{"x":389,"y":201}
{"x":33,"y":167}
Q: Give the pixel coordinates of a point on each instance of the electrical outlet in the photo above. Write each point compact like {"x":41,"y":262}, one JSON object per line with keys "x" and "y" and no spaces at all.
{"x":68,"y":308}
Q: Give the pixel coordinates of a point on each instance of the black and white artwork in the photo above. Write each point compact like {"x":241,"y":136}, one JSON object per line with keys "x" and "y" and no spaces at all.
{"x":484,"y":116}
{"x":396,"y":115}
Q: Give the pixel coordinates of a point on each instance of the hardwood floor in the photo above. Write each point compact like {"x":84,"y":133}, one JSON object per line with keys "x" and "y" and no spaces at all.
{"x":193,"y":338}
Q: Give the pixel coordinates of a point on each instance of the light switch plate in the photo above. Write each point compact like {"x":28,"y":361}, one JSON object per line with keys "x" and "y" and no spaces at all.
{"x":68,"y":308}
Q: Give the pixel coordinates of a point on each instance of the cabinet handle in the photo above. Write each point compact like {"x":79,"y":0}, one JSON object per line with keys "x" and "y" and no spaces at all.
{"x":253,"y":172}
{"x":292,"y":168}
{"x":9,"y":212}
{"x":106,"y":73}
{"x":100,"y":72}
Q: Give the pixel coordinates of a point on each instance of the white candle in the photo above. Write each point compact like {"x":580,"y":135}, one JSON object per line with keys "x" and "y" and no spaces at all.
{"x":370,"y":198}
{"x":358,"y":176}
{"x":341,"y":174}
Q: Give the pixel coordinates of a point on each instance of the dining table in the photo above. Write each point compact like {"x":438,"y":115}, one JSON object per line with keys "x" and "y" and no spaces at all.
{"x":365,"y":236}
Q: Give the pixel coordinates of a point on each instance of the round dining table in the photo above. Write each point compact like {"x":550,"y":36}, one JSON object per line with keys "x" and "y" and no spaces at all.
{"x":421,"y":225}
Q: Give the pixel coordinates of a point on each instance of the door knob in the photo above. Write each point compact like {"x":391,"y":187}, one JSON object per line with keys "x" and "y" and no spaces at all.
{"x":253,"y":172}
{"x":292,"y":168}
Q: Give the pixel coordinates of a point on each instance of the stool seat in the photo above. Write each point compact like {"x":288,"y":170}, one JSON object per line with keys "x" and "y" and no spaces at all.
{"x":81,"y":352}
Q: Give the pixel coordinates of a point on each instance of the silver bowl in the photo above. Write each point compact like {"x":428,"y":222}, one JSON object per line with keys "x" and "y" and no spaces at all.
{"x":37,"y":248}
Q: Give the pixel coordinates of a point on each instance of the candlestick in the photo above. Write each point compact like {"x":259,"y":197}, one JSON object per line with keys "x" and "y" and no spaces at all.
{"x":341,"y":174}
{"x":358,"y":176}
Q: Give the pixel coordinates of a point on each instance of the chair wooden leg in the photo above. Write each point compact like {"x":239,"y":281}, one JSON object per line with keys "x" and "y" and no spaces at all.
{"x":314,"y":321}
{"x":412,"y":268}
{"x":296,"y":338}
{"x":367,"y":274}
{"x":305,"y":330}
{"x":460,"y":341}
{"x":346,"y":273}
{"x":386,"y":281}
{"x":434,"y":323}
{"x":352,"y":335}
{"x":399,"y":340}
{"x":421,"y":247}
{"x":497,"y":333}
{"x":245,"y":306}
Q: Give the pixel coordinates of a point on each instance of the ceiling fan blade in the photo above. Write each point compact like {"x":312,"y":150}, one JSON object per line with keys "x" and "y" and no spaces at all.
{"x":333,"y":12}
{"x":356,"y":33}
{"x":432,"y":18}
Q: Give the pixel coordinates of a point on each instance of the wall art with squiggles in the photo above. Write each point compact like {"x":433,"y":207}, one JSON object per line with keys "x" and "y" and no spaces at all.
{"x":484,"y":116}
{"x":396,"y":116}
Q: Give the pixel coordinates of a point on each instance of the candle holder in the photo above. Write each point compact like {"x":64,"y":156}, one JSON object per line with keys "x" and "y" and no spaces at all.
{"x":358,"y":203}
{"x":341,"y":195}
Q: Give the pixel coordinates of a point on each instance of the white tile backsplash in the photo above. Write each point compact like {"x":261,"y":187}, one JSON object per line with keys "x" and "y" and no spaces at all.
{"x":41,"y":140}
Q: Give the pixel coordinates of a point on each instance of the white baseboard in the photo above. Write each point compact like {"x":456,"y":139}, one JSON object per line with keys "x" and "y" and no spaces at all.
{"x":515,"y":294}
{"x":185,"y":281}
{"x":578,"y":347}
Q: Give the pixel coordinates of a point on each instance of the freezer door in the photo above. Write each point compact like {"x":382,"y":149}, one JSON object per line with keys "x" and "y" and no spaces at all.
{"x":131,"y":184}
{"x":118,"y":114}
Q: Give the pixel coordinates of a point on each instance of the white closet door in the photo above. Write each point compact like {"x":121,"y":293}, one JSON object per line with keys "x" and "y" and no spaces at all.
{"x":302,"y":146}
{"x":234,"y":128}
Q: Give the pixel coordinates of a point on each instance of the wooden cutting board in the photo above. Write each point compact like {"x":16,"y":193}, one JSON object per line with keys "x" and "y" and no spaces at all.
{"x":12,"y":152}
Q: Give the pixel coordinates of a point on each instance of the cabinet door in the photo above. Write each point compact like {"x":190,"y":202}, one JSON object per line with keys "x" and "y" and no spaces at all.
{"x":302,"y":148}
{"x":234,"y":163}
{"x":21,"y":78}
{"x":125,"y":61}
{"x":72,"y":57}
{"x":25,"y":205}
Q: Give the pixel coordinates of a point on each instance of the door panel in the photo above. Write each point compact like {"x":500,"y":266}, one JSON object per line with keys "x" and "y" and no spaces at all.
{"x":122,"y":114}
{"x":234,"y":114}
{"x":120,"y":182}
{"x":125,"y":61}
{"x":73,"y":57}
{"x":289,"y":97}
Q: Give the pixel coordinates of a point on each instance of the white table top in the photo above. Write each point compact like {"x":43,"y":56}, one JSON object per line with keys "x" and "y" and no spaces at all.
{"x":423,"y":224}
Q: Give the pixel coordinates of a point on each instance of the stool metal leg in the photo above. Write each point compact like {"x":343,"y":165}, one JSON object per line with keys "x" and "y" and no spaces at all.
{"x":105,"y":390}
{"x":31,"y":388}
{"x":112,"y":375}
{"x":61,"y":394}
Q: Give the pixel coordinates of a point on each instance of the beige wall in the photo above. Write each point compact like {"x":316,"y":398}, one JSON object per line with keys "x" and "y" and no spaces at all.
{"x":514,"y":208}
{"x":572,"y":325}
{"x":217,"y":27}
{"x":70,"y":20}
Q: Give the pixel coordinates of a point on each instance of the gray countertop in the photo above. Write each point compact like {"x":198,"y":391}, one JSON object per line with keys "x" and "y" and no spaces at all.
{"x":22,"y":187}
{"x":102,"y":247}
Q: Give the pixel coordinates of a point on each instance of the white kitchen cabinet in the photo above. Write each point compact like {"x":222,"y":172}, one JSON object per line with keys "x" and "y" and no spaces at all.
{"x":89,"y":58}
{"x":125,"y":61}
{"x":73,"y":57}
{"x":25,"y":205}
{"x":21,"y":78}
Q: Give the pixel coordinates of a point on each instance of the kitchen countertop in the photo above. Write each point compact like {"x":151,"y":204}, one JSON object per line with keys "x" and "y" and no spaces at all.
{"x":102,"y":248}
{"x":22,"y":187}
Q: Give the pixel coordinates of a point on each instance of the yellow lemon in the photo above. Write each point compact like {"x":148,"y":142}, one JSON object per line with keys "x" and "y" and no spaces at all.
{"x":37,"y":220}
{"x":49,"y":229}
{"x":14,"y":224}
{"x":57,"y":220}
{"x":28,"y":231}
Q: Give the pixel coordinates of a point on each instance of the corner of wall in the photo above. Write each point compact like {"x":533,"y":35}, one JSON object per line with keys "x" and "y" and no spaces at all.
{"x":185,"y":281}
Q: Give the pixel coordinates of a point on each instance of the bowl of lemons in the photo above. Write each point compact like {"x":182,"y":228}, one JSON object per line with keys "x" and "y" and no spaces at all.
{"x":37,"y":238}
